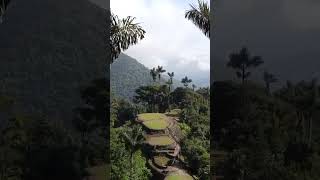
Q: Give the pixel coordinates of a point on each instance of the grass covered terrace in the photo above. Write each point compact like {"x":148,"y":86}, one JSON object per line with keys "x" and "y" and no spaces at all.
{"x":160,"y":140}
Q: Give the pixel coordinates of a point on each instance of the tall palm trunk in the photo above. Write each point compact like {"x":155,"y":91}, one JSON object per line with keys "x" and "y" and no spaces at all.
{"x":268,"y":88}
{"x":243,"y":75}
{"x":310,"y":132}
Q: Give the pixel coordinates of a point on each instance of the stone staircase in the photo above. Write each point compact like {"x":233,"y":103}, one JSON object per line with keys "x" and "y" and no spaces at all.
{"x":171,"y":151}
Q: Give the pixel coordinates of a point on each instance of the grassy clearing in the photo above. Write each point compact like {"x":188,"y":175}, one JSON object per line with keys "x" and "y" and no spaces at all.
{"x":156,"y":124}
{"x":161,"y":160}
{"x":151,"y":116}
{"x":159,"y":140}
{"x":178,"y":176}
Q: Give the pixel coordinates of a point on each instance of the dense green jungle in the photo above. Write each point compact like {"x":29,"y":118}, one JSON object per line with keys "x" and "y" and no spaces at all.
{"x":262,"y":132}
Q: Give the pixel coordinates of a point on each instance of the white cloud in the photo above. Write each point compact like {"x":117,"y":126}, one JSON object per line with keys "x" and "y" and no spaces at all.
{"x":171,"y":40}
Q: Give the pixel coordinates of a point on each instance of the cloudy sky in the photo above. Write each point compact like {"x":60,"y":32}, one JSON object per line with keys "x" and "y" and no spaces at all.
{"x":286,"y":33}
{"x":171,"y":40}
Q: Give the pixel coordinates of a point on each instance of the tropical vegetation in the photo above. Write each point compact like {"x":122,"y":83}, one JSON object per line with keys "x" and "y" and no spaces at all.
{"x":262,"y":131}
{"x":168,"y":117}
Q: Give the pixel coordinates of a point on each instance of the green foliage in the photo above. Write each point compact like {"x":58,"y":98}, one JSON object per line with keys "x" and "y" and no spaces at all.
{"x":205,"y":92}
{"x":123,"y":111}
{"x":123,"y":164}
{"x":200,"y":16}
{"x":174,"y":113}
{"x":185,"y":129}
{"x":124,"y":33}
{"x":267,"y":136}
{"x":36,"y":149}
{"x":154,"y":97}
{"x":56,"y":56}
{"x":127,"y":75}
{"x":184,"y":97}
{"x":90,"y":124}
{"x":194,"y":125}
{"x":198,"y":157}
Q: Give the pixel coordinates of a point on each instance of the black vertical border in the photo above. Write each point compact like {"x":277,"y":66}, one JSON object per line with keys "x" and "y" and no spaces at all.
{"x":108,"y":60}
{"x":212,"y":35}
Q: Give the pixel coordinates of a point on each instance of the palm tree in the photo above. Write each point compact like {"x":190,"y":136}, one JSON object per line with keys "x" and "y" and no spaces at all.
{"x":193,"y":86}
{"x":3,"y":7}
{"x":154,"y":73}
{"x":242,"y":61}
{"x":200,"y":16}
{"x":134,"y":137}
{"x":124,"y":33}
{"x":185,"y":81}
{"x":268,"y":79}
{"x":170,"y":82}
{"x":160,"y":70}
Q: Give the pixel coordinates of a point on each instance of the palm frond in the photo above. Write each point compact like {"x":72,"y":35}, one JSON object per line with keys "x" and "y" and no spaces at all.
{"x":3,"y":7}
{"x":124,"y":33}
{"x":200,"y":16}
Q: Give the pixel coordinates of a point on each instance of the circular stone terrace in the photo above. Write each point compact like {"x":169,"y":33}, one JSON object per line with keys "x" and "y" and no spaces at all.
{"x":153,"y":121}
{"x":159,"y":140}
{"x":157,"y":122}
{"x":161,"y":161}
{"x":178,"y":175}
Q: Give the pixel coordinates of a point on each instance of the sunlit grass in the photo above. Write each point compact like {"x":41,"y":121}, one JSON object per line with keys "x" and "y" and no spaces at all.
{"x":177,"y":176}
{"x":156,"y":124}
{"x":151,"y":116}
{"x":161,"y":160}
{"x":159,"y":140}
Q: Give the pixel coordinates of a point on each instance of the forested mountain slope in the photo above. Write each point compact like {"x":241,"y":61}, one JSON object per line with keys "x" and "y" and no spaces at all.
{"x":127,"y":75}
{"x":49,"y":50}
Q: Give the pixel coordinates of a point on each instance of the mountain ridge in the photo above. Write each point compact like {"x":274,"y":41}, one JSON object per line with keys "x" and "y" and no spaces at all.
{"x":127,"y":74}
{"x":50,"y":50}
